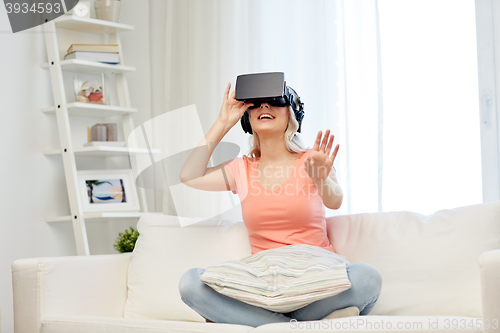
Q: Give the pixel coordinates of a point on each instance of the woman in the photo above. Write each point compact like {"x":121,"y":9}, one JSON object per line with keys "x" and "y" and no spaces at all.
{"x":282,"y":204}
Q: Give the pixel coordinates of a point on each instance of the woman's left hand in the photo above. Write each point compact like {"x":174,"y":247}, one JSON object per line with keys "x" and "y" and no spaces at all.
{"x":319,"y":163}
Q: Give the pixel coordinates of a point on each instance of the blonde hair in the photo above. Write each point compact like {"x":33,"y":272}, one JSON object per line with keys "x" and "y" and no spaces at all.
{"x":292,"y":141}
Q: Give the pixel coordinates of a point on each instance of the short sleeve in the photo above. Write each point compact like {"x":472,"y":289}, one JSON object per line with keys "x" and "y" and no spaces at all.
{"x":234,"y":168}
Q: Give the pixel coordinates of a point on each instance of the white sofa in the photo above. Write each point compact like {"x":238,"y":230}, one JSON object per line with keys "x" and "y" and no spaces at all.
{"x":440,"y":272}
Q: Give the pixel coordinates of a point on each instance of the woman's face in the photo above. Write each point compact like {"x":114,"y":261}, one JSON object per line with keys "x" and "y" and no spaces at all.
{"x":278,"y":123}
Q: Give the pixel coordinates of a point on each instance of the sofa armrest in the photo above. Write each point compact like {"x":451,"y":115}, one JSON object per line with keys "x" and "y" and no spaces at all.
{"x":489,"y":265}
{"x":73,"y":285}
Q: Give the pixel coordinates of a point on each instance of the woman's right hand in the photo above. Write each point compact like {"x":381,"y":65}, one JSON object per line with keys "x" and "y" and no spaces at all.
{"x":232,"y":110}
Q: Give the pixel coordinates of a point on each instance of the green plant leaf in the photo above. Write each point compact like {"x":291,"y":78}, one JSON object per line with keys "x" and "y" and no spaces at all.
{"x":125,"y":242}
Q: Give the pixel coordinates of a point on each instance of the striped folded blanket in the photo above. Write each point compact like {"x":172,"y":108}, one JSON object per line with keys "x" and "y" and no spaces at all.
{"x":283,"y":279}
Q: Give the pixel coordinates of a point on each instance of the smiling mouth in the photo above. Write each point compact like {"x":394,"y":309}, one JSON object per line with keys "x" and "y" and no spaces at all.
{"x":266,"y":117}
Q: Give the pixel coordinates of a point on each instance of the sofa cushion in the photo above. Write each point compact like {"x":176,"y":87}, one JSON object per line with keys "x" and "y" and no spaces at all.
{"x":99,"y":324}
{"x":164,"y":251}
{"x":283,"y":279}
{"x":429,"y":263}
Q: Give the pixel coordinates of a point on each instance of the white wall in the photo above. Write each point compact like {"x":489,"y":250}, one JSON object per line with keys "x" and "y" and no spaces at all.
{"x":33,"y":185}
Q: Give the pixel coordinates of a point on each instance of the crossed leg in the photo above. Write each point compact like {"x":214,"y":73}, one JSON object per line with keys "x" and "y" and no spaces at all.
{"x":366,"y":283}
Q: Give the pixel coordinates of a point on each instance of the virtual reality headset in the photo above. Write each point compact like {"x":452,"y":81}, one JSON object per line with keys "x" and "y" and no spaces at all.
{"x":266,"y":87}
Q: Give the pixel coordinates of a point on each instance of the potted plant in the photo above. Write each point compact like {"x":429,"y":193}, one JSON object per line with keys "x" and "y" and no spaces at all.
{"x":125,"y":242}
{"x":108,"y":10}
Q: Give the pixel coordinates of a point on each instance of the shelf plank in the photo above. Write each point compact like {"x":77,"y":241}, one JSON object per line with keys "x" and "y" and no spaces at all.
{"x":97,"y":216}
{"x":93,"y":110}
{"x":104,"y":151}
{"x":92,"y":25}
{"x":90,"y":67}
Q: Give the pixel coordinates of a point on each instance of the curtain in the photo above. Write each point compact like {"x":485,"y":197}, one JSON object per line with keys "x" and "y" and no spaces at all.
{"x":432,"y":148}
{"x":329,"y":52}
{"x":355,"y":78}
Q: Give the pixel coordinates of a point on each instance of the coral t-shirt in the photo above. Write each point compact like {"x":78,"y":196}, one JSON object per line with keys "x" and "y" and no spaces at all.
{"x":291,"y":213}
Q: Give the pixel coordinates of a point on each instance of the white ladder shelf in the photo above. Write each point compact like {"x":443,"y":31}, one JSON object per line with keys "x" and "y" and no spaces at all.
{"x":62,"y":111}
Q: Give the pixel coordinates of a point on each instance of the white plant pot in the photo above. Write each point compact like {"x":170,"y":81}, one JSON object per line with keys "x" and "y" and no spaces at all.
{"x":108,"y":10}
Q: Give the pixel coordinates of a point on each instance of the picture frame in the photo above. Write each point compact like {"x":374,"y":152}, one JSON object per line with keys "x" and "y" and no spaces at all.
{"x":108,"y":191}
{"x":84,"y":86}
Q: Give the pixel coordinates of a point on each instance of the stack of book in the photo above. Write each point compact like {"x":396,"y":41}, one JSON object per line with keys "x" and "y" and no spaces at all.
{"x":105,"y":53}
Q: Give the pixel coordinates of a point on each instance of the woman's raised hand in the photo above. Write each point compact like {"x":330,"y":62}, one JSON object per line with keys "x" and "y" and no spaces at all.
{"x":319,"y":163}
{"x":232,"y":110}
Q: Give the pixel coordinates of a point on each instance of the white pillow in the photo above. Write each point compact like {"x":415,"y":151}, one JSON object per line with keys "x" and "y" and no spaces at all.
{"x":283,"y":279}
{"x":164,"y":251}
{"x":429,"y":263}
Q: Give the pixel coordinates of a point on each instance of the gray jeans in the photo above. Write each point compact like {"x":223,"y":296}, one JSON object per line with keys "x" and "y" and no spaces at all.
{"x":366,"y":283}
